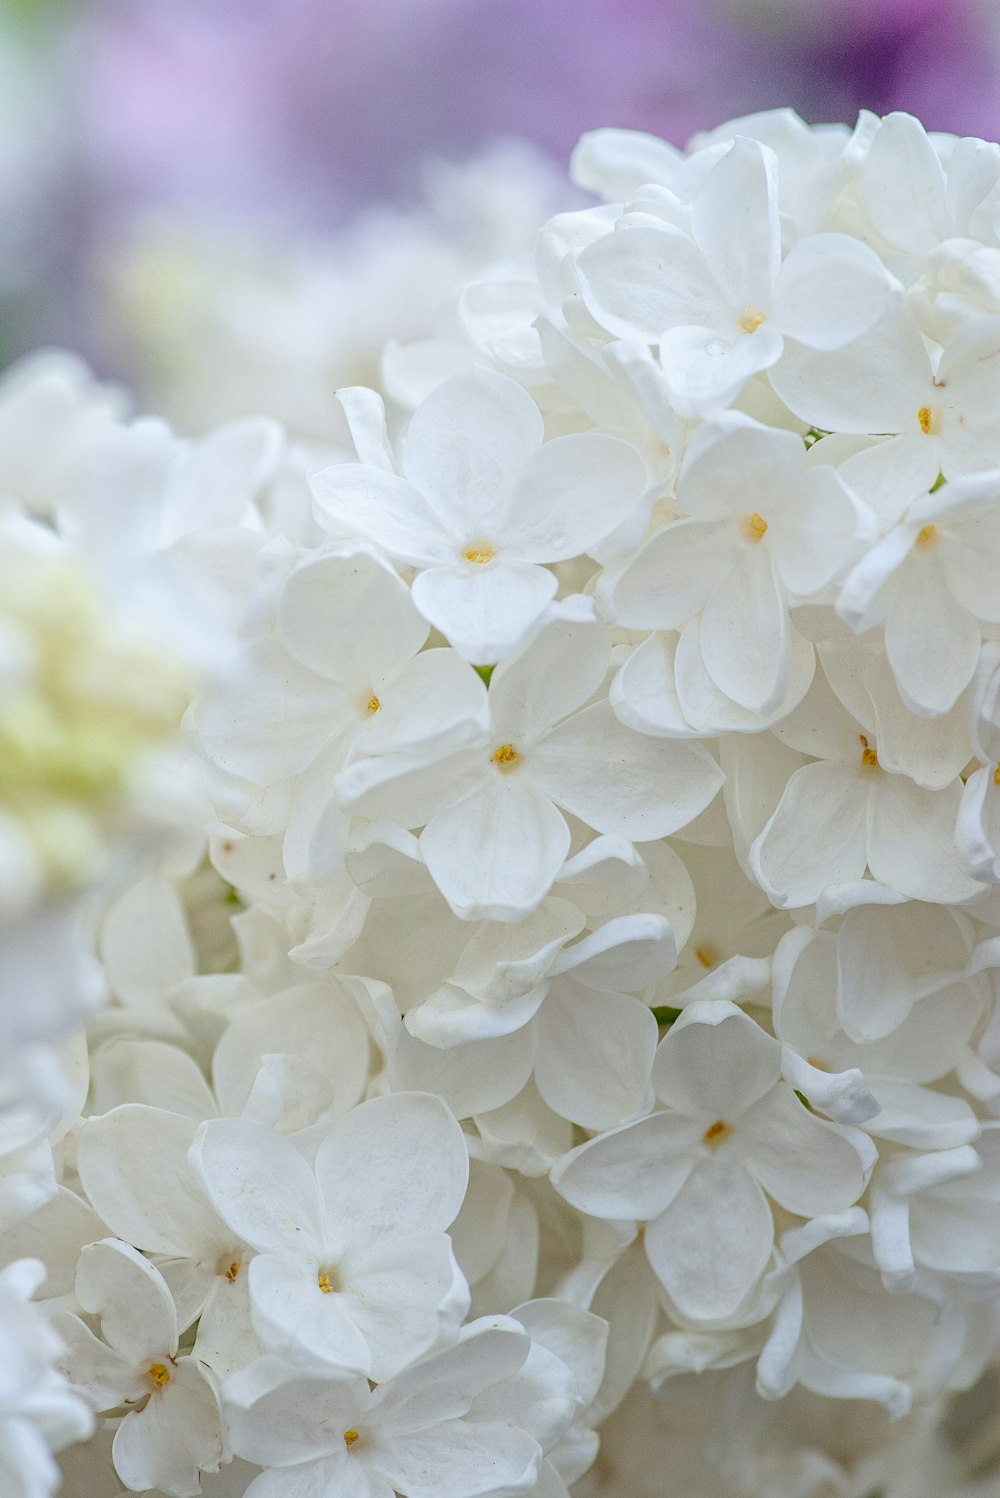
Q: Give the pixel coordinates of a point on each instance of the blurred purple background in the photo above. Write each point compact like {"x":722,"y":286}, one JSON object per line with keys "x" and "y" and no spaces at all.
{"x":296,"y":115}
{"x":313,"y":107}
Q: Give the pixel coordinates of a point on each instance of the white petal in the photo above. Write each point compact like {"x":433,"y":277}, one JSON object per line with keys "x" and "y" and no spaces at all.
{"x":350,"y":619}
{"x":271,"y":716}
{"x":115,"y":1282}
{"x":104,"y":1377}
{"x":877,"y":383}
{"x":715,"y":1062}
{"x":394,"y":1166}
{"x":644,"y":694}
{"x":911,"y":841}
{"x":385,"y":509}
{"x":830,"y":290}
{"x":125,"y":1069}
{"x":145,"y":944}
{"x":673,"y":575}
{"x":577,"y":1073}
{"x":559,"y":671}
{"x":296,"y":1321}
{"x":735,"y":224}
{"x":629,"y":953}
{"x":932,"y":641}
{"x":495,"y":854}
{"x":318,"y":1023}
{"x":977,"y":829}
{"x":404,"y":1297}
{"x":809,"y":1166}
{"x":134,"y":1168}
{"x":712,"y":1244}
{"x":484,"y":611}
{"x":640,"y":281}
{"x":903,"y":186}
{"x":279,"y":1418}
{"x":444,"y":1386}
{"x":621,"y":782}
{"x":706,"y":706}
{"x":435,"y":696}
{"x":816,"y":837}
{"x":705,"y":370}
{"x":613,"y":164}
{"x":260,"y":1185}
{"x":461,"y":1456}
{"x":174,"y":1439}
{"x":466,"y":445}
{"x":745,"y":634}
{"x":573,"y":493}
{"x":633,"y":1171}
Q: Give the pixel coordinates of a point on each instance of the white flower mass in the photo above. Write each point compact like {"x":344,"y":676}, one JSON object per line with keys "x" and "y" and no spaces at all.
{"x":536,"y":1026}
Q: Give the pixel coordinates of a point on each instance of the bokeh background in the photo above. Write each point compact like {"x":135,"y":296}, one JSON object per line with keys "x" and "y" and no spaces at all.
{"x":192,"y":184}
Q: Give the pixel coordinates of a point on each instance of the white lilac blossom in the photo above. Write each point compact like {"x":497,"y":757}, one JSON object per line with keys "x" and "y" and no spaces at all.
{"x":564,"y":1047}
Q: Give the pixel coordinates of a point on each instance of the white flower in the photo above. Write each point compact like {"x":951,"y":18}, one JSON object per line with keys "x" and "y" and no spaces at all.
{"x":484,"y":505}
{"x":719,"y":300}
{"x":353,"y":1267}
{"x":568,"y":999}
{"x":846,"y":812}
{"x":760,"y":526}
{"x":468,"y":1422}
{"x":931,"y":580}
{"x":942,"y":409}
{"x":173,"y":1433}
{"x":494,"y":833}
{"x":699,"y":1173}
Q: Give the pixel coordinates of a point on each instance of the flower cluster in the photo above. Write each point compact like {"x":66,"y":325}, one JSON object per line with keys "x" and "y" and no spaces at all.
{"x":580,"y":1004}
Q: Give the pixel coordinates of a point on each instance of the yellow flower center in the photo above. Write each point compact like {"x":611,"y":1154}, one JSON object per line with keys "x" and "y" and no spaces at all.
{"x":479,"y":552}
{"x":869,"y":755}
{"x":325,"y":1281}
{"x":506,"y":757}
{"x":716,"y":1133}
{"x":373,"y":704}
{"x":159,"y":1374}
{"x":996,"y":774}
{"x":751,"y":320}
{"x":925,"y":416}
{"x":704,"y":956}
{"x":756,"y":527}
{"x":927,"y":535}
{"x":351,"y":1438}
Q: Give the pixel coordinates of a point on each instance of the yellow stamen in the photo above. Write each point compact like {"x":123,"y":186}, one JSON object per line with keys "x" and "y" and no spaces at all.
{"x":351,"y":1437}
{"x":926,"y":535}
{"x":925,"y":416}
{"x":869,"y":756}
{"x":506,"y":757}
{"x":479,"y":552}
{"x":325,"y":1282}
{"x":751,"y":321}
{"x":756,"y":527}
{"x":716,"y":1132}
{"x":996,"y":774}
{"x":817,"y":1063}
{"x":373,"y":704}
{"x":160,"y":1375}
{"x":704,"y":957}
{"x":232,"y":1273}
